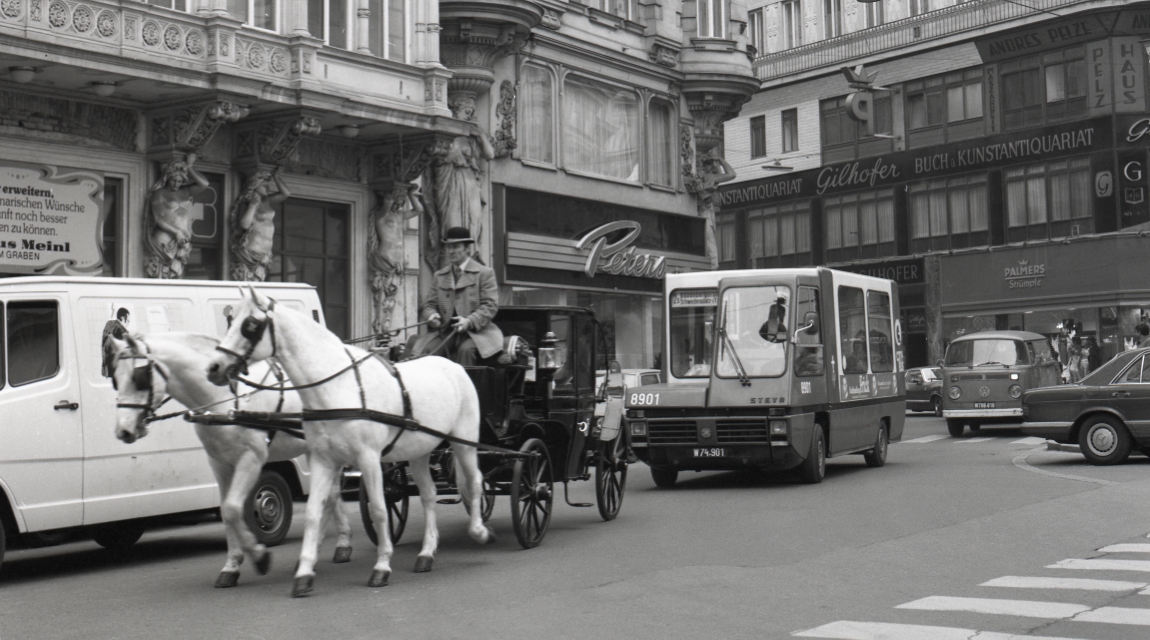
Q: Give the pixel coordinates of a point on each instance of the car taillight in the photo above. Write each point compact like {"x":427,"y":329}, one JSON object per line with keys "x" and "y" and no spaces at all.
{"x":955,"y":393}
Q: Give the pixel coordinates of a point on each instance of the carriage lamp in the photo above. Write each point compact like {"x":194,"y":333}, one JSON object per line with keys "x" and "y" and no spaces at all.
{"x":955,"y":393}
{"x":1015,"y":391}
{"x":550,"y":358}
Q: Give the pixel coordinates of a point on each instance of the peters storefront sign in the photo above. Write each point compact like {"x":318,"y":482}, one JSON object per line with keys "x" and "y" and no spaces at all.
{"x":619,"y":257}
{"x":50,"y":219}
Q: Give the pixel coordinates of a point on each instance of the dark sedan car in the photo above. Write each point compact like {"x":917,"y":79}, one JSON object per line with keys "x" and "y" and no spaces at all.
{"x":924,"y":389}
{"x":1107,"y":413}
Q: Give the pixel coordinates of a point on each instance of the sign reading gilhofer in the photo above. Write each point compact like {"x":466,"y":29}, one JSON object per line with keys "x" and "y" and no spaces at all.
{"x":50,"y":219}
{"x":619,"y":257}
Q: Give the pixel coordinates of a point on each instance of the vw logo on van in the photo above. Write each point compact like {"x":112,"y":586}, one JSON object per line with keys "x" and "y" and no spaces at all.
{"x":984,"y":391}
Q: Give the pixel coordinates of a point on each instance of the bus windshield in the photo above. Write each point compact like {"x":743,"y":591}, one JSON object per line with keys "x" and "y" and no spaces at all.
{"x":692,"y":319}
{"x":755,"y":324}
{"x":989,"y":351}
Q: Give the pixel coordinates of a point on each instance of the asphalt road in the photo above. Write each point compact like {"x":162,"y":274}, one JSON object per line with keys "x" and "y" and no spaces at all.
{"x":902,"y":552}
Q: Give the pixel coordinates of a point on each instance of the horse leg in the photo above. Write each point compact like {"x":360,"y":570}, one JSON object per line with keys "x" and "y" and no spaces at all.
{"x":342,"y":525}
{"x":372,"y":480}
{"x":470,"y":481}
{"x":244,"y":477}
{"x":322,"y":472}
{"x":230,"y":574}
{"x":421,"y":473}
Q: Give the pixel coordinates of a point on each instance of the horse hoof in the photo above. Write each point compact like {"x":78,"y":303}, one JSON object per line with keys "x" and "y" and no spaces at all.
{"x":227,"y":579}
{"x":379,"y":578}
{"x":423,"y":564}
{"x":490,"y":536}
{"x":342,"y":554}
{"x":302,"y":586}
{"x":263,"y":563}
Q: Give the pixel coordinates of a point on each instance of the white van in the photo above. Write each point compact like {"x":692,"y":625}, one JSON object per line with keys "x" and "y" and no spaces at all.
{"x":61,"y":467}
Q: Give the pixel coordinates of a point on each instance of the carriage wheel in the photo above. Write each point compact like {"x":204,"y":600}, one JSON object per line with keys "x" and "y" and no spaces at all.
{"x":397,"y":499}
{"x":610,"y":477}
{"x":532,"y":492}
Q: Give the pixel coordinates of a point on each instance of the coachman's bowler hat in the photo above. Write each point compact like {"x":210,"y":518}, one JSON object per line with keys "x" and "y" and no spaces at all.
{"x":456,"y":235}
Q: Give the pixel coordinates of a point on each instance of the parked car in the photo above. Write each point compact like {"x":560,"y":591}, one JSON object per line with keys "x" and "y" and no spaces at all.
{"x":629,"y":377}
{"x":1098,"y":412}
{"x":924,"y":389}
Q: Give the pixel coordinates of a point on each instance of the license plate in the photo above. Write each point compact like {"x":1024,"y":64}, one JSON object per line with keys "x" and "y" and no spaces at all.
{"x":984,"y":405}
{"x":714,"y":452}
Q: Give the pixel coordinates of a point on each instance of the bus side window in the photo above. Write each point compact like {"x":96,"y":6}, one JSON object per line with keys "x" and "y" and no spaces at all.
{"x":808,"y":344}
{"x":881,"y":345}
{"x":852,"y":329}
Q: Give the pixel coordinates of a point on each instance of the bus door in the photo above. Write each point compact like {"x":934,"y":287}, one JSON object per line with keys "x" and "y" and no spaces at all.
{"x":809,"y":385}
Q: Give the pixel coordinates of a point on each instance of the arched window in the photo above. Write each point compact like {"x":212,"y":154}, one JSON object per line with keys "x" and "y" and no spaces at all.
{"x":536,"y":115}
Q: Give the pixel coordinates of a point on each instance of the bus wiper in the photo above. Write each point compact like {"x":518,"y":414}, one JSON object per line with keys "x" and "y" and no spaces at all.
{"x":744,"y":379}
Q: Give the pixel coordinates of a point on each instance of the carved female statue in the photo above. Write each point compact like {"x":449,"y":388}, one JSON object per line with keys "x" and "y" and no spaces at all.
{"x":459,"y":196}
{"x":713,"y":171}
{"x":385,"y":249}
{"x":169,"y":218}
{"x":253,"y":225}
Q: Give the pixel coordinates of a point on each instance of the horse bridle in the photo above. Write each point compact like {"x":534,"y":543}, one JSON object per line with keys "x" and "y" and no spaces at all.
{"x":252,"y":330}
{"x":142,"y":379}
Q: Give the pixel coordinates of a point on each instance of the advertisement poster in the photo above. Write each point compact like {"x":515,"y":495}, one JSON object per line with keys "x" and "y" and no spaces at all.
{"x":50,"y":219}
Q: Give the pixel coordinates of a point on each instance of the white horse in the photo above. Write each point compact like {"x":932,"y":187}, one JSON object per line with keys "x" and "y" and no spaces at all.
{"x":442,"y":397}
{"x":148,"y":369}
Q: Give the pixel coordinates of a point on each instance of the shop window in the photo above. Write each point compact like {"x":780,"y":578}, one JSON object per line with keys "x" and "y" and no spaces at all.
{"x":261,"y":14}
{"x":32,"y":334}
{"x":755,"y":37}
{"x":945,"y":108}
{"x":852,"y":329}
{"x":790,"y":133}
{"x":601,"y":129}
{"x":1049,"y":200}
{"x":874,"y":14}
{"x":311,"y":245}
{"x":791,"y":19}
{"x":662,"y":143}
{"x":110,"y":231}
{"x":726,"y":227}
{"x":712,"y":18}
{"x":205,"y":260}
{"x":859,"y":225}
{"x":758,"y":136}
{"x":832,"y":18}
{"x":1046,"y":88}
{"x":780,"y":236}
{"x":536,"y":115}
{"x":949,"y":214}
{"x":879,"y":321}
{"x":845,"y":139}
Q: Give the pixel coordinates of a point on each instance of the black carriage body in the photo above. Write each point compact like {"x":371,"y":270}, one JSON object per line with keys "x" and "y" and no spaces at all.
{"x":518,"y":404}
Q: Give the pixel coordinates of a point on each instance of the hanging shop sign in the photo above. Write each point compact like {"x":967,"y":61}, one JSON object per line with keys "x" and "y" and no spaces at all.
{"x":50,"y":219}
{"x":619,"y":257}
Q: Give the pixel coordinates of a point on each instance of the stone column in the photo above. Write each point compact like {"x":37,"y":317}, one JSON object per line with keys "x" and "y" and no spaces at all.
{"x":295,"y":19}
{"x":363,"y":27}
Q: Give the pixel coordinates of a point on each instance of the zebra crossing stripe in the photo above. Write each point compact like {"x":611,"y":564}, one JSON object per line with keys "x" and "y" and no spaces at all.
{"x":1023,"y":608}
{"x":926,"y":439}
{"x":973,"y":440}
{"x":850,"y":630}
{"x":1116,"y":615}
{"x":1101,"y":564}
{"x":1126,"y":548}
{"x":1030,"y":440}
{"x":1084,"y":584}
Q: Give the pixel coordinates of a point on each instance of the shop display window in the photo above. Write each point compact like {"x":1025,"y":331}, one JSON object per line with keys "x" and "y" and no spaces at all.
{"x":110,"y":233}
{"x":311,"y":245}
{"x":1049,"y":200}
{"x":205,"y":260}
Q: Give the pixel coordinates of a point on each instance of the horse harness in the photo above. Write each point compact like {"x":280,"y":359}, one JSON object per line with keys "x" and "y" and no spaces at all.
{"x":142,"y":380}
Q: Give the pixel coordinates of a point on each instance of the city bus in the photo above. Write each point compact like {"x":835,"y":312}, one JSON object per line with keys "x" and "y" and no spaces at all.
{"x":772,"y":368}
{"x":985,"y":374}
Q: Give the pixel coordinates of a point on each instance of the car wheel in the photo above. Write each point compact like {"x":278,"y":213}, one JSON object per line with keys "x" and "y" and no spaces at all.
{"x":814,"y":467}
{"x":936,"y":406}
{"x":118,"y":537}
{"x":268,"y":511}
{"x":877,"y":457}
{"x":1104,"y":440}
{"x":3,"y":544}
{"x":954,"y":426}
{"x":664,"y":477}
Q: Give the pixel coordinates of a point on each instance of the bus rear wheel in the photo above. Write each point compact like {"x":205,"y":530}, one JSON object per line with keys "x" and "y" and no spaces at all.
{"x":955,"y":427}
{"x":877,"y":457}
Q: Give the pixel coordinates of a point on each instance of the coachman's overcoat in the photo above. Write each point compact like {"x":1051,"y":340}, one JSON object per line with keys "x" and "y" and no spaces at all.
{"x":474,"y":296}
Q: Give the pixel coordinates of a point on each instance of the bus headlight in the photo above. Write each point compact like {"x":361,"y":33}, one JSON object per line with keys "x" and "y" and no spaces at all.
{"x":638,"y":428}
{"x":1015,"y":391}
{"x":955,"y":393}
{"x":778,"y":427}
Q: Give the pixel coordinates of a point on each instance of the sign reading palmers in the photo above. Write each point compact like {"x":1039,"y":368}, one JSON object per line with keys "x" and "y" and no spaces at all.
{"x":50,"y":219}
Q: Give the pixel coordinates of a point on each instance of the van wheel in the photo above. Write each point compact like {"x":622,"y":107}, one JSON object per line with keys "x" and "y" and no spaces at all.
{"x":3,"y":544}
{"x":955,"y":427}
{"x":268,"y":510}
{"x":1104,"y":440}
{"x":936,"y":406}
{"x":814,"y":467}
{"x":664,"y":477}
{"x":118,"y":537}
{"x":975,"y":427}
{"x":877,"y":457}
{"x":38,"y":539}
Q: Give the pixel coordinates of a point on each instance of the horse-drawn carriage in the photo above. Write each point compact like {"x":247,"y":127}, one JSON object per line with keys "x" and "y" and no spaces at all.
{"x":538,"y":427}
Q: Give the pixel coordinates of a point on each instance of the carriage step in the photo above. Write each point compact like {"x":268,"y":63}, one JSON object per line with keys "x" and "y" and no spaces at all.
{"x":580,"y":504}
{"x":449,"y":501}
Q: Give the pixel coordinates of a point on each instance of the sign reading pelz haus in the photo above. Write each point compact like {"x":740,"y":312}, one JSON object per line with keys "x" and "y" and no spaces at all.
{"x":50,"y":219}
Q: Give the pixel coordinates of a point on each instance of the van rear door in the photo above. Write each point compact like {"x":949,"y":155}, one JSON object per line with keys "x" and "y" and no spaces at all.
{"x":41,"y":458}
